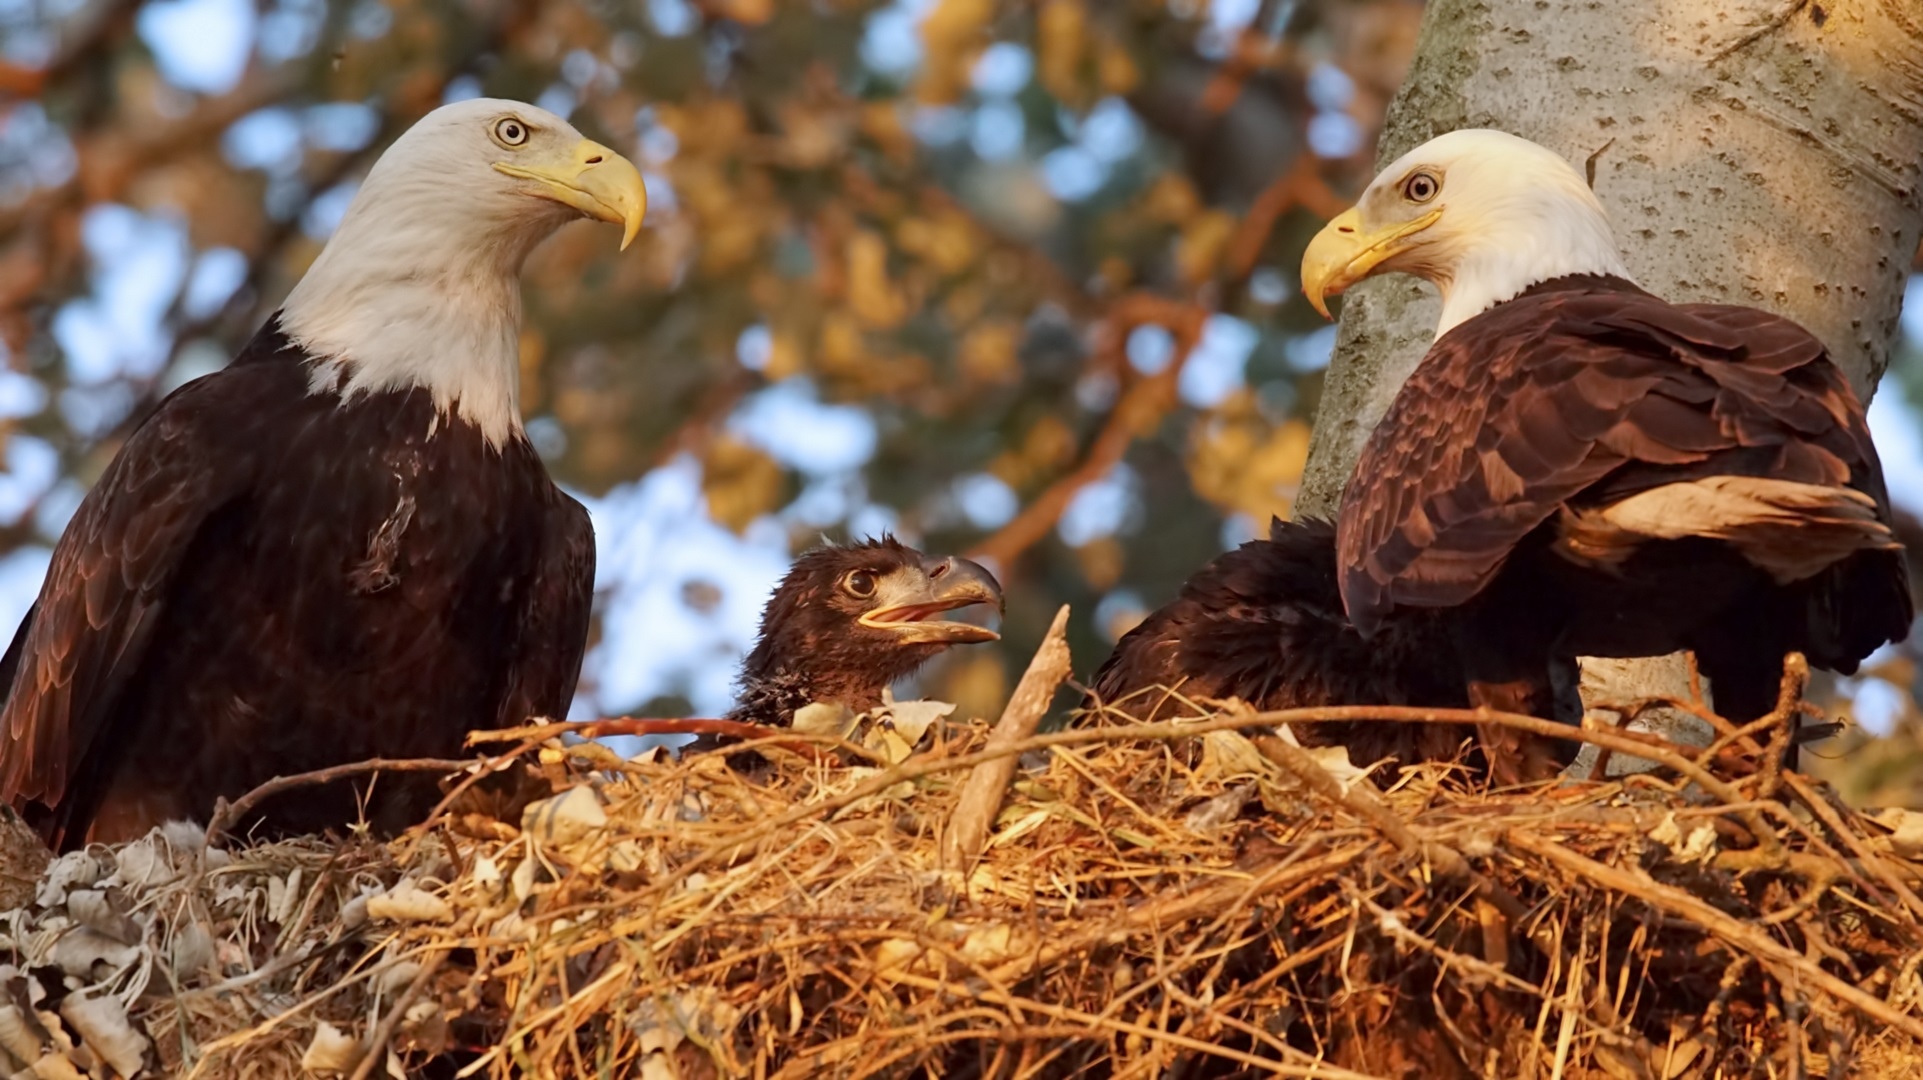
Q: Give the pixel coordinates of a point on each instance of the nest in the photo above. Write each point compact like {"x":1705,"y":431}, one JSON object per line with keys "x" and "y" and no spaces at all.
{"x":1200,"y":898}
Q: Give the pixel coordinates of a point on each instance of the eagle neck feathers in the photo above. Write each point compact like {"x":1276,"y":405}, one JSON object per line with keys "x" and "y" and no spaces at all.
{"x":403,"y":297}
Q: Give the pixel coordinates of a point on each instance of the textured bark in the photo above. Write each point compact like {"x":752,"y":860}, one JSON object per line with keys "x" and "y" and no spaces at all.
{"x":1761,"y":152}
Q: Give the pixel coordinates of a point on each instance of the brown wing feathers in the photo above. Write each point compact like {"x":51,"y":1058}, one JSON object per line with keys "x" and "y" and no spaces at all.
{"x":87,"y":633}
{"x":1583,"y":393}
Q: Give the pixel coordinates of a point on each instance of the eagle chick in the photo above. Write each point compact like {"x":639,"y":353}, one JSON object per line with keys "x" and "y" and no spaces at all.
{"x":849,"y":620}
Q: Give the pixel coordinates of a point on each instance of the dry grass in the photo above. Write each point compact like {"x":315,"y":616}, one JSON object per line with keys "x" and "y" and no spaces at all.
{"x":1190,"y":899}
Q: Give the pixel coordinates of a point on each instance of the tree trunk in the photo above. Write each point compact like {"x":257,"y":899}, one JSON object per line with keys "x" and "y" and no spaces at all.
{"x":1759,"y":152}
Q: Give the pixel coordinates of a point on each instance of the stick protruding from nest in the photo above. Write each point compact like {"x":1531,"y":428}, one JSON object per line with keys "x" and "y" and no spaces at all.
{"x":987,"y":784}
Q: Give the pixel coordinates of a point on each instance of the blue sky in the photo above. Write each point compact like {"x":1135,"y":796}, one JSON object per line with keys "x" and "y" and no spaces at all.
{"x":655,"y":537}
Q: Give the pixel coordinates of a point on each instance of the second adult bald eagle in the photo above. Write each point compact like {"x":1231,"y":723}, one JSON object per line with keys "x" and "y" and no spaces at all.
{"x":1579,"y":468}
{"x":342,"y":546}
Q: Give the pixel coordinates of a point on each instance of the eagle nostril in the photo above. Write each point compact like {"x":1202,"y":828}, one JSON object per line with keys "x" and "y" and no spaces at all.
{"x":595,"y":160}
{"x":941,"y":568}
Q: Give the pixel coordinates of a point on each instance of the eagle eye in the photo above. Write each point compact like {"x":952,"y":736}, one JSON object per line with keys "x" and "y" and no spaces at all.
{"x":1420,"y":187}
{"x":510,"y":132}
{"x":859,"y":584}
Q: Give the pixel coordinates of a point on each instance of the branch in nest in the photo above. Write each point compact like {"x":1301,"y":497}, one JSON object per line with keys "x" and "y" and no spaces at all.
{"x":1365,"y":802}
{"x":377,"y":1053}
{"x":795,"y":742}
{"x":987,"y":785}
{"x":1734,"y":931}
{"x":229,"y":814}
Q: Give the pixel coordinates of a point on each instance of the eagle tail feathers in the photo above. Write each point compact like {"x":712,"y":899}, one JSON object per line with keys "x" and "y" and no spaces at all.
{"x":1792,"y":531}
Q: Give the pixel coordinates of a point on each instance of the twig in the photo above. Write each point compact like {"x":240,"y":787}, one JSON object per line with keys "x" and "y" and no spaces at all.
{"x":1180,"y":904}
{"x":1770,"y":24}
{"x":1391,"y":924}
{"x":799,"y":743}
{"x":983,"y":791}
{"x":625,"y":725}
{"x":1807,"y":794}
{"x":229,"y":814}
{"x":1362,"y":798}
{"x":490,"y":766}
{"x":1742,"y":935}
{"x":392,"y":1021}
{"x":1309,"y":1066}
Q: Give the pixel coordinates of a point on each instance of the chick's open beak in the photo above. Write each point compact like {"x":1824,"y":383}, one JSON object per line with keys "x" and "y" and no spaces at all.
{"x":908,"y":601}
{"x":1344,"y":253}
{"x":592,"y":179}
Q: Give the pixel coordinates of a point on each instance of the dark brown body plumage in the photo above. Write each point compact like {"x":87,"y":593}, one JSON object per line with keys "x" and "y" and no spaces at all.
{"x":1475,"y":494}
{"x":1265,"y":623}
{"x":268,"y":581}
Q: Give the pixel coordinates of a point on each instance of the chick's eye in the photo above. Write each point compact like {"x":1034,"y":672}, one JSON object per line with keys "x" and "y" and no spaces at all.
{"x":1421,"y":187}
{"x":510,"y":132}
{"x":859,"y":583}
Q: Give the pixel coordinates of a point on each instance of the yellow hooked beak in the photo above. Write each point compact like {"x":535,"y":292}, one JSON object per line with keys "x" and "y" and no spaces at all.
{"x":594,"y":180}
{"x":1343,"y":254}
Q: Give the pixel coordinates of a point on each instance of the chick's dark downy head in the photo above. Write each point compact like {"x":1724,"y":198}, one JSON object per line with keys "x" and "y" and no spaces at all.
{"x":847,"y":621}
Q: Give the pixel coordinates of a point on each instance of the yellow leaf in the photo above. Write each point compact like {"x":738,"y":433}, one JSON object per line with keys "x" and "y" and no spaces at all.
{"x":1101,"y":561}
{"x":1118,"y":72}
{"x":881,"y":124}
{"x":1050,"y":443}
{"x":872,"y":295}
{"x":812,"y":136}
{"x":714,"y":128}
{"x":784,"y":356}
{"x":988,"y":352}
{"x":741,"y":483}
{"x":729,"y":244}
{"x":952,"y":36}
{"x":1116,"y":273}
{"x":964,"y":303}
{"x":1061,"y":46}
{"x":1243,"y":463}
{"x":1204,"y":239}
{"x":948,"y":241}
{"x":1172,"y":200}
{"x":841,"y":349}
{"x":745,"y":12}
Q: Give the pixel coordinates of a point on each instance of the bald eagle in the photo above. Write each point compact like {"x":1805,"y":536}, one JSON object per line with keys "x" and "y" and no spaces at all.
{"x":1580,"y":468}
{"x":1265,"y":623}
{"x":844,"y":624}
{"x":849,"y":620}
{"x":342,"y":546}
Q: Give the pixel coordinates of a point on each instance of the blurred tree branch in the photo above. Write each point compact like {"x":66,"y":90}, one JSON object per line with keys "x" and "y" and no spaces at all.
{"x":1302,"y":186}
{"x":84,"y":36}
{"x":1136,"y":413}
{"x":111,"y":157}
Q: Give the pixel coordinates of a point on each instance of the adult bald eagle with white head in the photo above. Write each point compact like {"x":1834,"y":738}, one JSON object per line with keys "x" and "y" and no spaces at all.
{"x":1580,"y":468}
{"x":342,"y":546}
